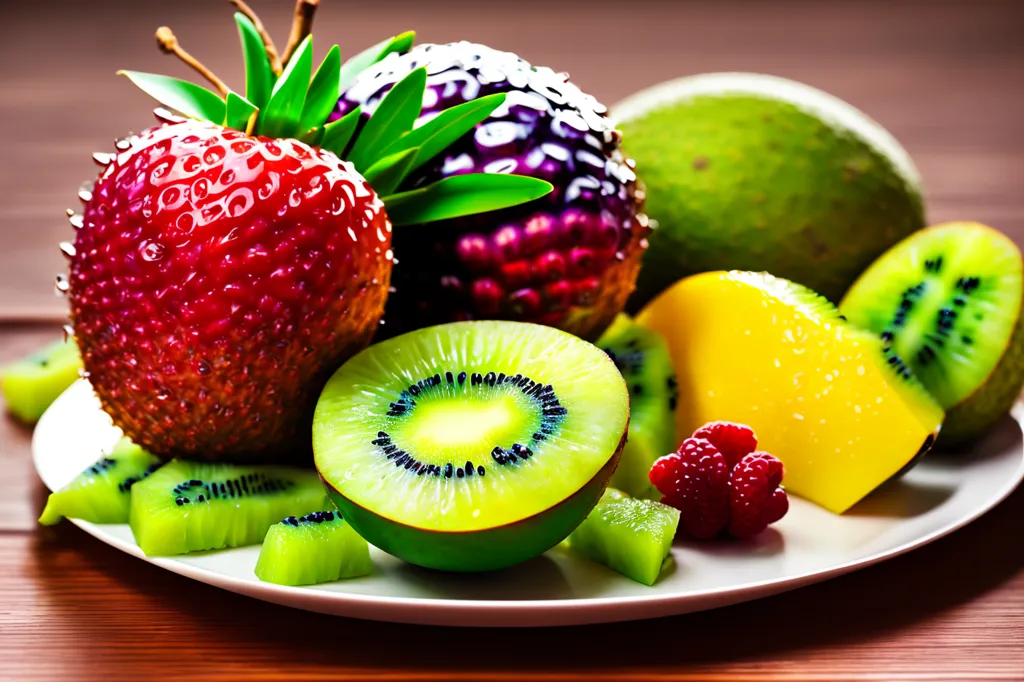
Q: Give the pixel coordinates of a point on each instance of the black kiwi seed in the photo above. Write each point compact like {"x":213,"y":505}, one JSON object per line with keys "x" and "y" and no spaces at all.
{"x":480,"y":470}
{"x":459,"y":472}
{"x":462,"y":378}
{"x":450,"y":377}
{"x":448,"y":470}
{"x":414,"y":389}
{"x":539,"y":436}
{"x":469,"y":468}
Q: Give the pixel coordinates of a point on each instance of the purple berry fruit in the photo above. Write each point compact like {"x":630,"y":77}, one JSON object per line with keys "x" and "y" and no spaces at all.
{"x":569,"y":259}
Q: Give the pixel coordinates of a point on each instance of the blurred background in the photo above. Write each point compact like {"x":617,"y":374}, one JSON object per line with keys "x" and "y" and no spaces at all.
{"x":946,"y":78}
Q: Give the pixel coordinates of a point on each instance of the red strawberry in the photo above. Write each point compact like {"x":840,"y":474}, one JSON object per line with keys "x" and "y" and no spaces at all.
{"x":756,"y":500}
{"x":218,"y":275}
{"x":215,"y":279}
{"x":734,"y":441}
{"x":695,"y":480}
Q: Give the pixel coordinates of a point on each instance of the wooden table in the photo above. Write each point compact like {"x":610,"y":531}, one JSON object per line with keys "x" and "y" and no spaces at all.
{"x":946,"y":78}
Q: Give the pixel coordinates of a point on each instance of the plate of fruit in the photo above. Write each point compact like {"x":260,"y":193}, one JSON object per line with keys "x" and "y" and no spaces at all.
{"x":413,"y":337}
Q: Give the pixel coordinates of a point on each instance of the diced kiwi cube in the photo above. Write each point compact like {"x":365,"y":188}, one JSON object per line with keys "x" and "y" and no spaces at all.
{"x":631,"y":536}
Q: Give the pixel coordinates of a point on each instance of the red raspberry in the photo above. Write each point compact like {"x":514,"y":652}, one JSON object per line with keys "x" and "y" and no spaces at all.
{"x":695,"y":480}
{"x":756,"y":499}
{"x":734,"y":441}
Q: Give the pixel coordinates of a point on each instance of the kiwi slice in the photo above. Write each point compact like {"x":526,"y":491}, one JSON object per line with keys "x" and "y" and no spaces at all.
{"x":948,"y":301}
{"x":100,"y":494}
{"x":310,"y":549}
{"x":191,"y":506}
{"x":31,"y":384}
{"x":643,"y":360}
{"x":472,"y":445}
{"x":631,"y":536}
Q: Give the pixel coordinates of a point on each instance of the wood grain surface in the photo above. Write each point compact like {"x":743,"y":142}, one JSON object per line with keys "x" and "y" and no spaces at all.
{"x":947,"y":78}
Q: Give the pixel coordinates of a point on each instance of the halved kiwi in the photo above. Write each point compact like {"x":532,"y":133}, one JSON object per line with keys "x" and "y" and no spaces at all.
{"x":31,"y":384}
{"x":633,"y":537}
{"x":471,"y":446}
{"x":643,"y":360}
{"x":100,"y":494}
{"x":190,"y":506}
{"x":315,"y":548}
{"x":948,"y":301}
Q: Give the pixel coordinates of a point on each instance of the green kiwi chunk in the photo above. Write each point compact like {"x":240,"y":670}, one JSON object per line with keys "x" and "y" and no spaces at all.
{"x":192,"y":506}
{"x":315,"y":548}
{"x":471,"y":446}
{"x":947,"y":300}
{"x":643,"y":360}
{"x":101,"y":493}
{"x":31,"y":384}
{"x":631,"y":536}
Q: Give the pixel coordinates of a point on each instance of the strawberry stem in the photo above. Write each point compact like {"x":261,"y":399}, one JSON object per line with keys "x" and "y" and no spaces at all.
{"x":302,"y":26}
{"x":268,"y":42}
{"x":168,"y":43}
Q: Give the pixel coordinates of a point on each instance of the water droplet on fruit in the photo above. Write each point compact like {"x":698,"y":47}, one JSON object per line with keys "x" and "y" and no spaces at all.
{"x":152,"y":251}
{"x":213,"y":155}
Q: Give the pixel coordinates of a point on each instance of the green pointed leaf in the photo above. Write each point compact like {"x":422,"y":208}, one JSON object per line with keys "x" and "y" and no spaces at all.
{"x":394,"y":117}
{"x":284,"y":110}
{"x":239,"y":109}
{"x":337,"y":134}
{"x":440,"y":132}
{"x":322,"y":96}
{"x":190,"y":99}
{"x":401,"y":44}
{"x":387,"y":174}
{"x":462,"y":195}
{"x":259,"y":76}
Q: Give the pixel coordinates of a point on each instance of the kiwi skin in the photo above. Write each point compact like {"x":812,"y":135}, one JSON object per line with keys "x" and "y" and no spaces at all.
{"x":484,"y":550}
{"x":980,"y":411}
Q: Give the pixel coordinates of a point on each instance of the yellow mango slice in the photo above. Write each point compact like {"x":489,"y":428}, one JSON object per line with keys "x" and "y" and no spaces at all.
{"x":826,"y":399}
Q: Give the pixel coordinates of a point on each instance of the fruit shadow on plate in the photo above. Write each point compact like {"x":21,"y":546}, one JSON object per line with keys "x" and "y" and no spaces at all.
{"x":907,"y":497}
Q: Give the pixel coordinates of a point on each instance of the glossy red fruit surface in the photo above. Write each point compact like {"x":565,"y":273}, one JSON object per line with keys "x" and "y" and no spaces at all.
{"x":217,"y":280}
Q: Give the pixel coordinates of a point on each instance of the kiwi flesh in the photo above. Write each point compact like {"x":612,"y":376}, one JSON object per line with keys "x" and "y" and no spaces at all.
{"x":473,"y":445}
{"x":315,"y":548}
{"x":101,"y":493}
{"x":31,"y":384}
{"x":643,"y":360}
{"x":191,"y":506}
{"x":948,"y":300}
{"x":631,"y":536}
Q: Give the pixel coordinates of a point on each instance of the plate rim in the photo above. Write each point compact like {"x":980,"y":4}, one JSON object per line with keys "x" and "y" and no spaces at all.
{"x":580,"y":611}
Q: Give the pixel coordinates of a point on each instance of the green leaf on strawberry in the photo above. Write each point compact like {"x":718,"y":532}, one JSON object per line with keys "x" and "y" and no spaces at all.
{"x":440,"y":132}
{"x":259,"y":75}
{"x":401,"y":44}
{"x":387,"y":174}
{"x":395,"y":116}
{"x":461,"y":195}
{"x":190,"y":99}
{"x":337,"y":134}
{"x":238,"y":112}
{"x":322,"y":96}
{"x":284,"y":110}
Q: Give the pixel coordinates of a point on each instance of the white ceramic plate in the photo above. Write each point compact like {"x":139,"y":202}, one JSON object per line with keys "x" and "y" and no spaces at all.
{"x":559,"y":588}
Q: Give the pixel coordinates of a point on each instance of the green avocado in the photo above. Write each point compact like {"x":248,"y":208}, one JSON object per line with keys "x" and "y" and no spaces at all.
{"x":752,"y":172}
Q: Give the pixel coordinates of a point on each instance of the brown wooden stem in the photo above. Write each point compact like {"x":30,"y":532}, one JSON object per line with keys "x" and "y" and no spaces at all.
{"x":268,"y":42}
{"x":302,"y":26}
{"x":168,"y":43}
